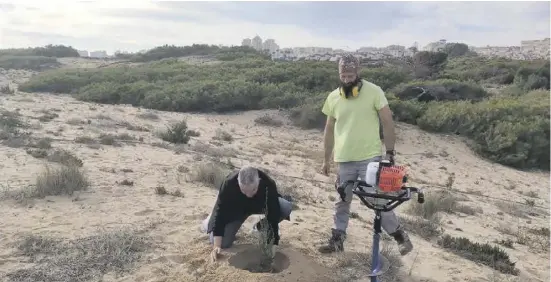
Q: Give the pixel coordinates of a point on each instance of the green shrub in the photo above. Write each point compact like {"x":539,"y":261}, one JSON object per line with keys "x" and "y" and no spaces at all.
{"x":482,"y":69}
{"x":177,"y":86}
{"x":407,"y":111}
{"x":28,"y":62}
{"x":533,"y":77}
{"x":386,"y":77}
{"x":177,"y":133}
{"x":56,"y":51}
{"x":486,"y":254}
{"x":510,"y":131}
{"x":442,"y":89}
{"x":511,"y":128}
{"x":455,"y":50}
{"x":428,"y":64}
{"x":211,"y":51}
{"x":309,"y":115}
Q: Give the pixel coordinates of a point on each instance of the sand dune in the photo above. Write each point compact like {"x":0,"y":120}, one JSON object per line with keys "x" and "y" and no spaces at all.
{"x":179,"y":251}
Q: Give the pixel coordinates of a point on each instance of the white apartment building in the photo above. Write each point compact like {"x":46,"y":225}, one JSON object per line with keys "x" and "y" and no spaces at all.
{"x":270,"y":45}
{"x":435,"y":46}
{"x":256,"y":43}
{"x":83,"y":53}
{"x":535,"y":48}
{"x":246,"y":42}
{"x":529,"y":49}
{"x":98,"y":54}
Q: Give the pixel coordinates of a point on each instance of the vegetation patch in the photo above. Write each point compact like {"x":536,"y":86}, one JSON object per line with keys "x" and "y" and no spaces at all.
{"x":63,"y":180}
{"x":64,"y":157}
{"x":436,"y":202}
{"x":425,"y":228}
{"x":442,"y":90}
{"x":486,"y":254}
{"x":509,"y":129}
{"x":211,"y":174}
{"x":353,"y":266}
{"x":82,"y":259}
{"x":37,"y":63}
{"x":177,"y":133}
{"x":268,"y":120}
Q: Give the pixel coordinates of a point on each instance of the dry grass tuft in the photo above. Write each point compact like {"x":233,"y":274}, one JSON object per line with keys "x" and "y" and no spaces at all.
{"x":64,"y":180}
{"x":354,"y":266}
{"x":441,"y":201}
{"x":223,"y":135}
{"x":486,"y":254}
{"x":211,"y":174}
{"x":64,"y":157}
{"x":425,"y":228}
{"x":82,"y":259}
{"x":268,"y":120}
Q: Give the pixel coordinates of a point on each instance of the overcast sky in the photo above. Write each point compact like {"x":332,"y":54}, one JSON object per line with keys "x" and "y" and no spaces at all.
{"x":113,"y":25}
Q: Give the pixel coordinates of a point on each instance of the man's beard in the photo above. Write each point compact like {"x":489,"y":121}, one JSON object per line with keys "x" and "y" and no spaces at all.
{"x":347,"y":87}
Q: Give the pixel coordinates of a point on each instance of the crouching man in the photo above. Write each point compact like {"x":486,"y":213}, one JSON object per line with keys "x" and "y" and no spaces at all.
{"x":243,"y":193}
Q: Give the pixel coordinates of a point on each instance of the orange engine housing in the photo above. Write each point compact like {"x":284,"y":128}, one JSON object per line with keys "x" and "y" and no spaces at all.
{"x":392,"y":178}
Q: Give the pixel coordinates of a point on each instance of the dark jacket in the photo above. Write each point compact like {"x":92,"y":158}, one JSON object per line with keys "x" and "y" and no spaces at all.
{"x":232,"y":205}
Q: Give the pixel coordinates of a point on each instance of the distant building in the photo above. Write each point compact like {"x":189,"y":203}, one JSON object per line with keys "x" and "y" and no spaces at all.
{"x":257,"y":43}
{"x":246,"y":42}
{"x":435,"y":46}
{"x":98,"y":54}
{"x":270,"y":46}
{"x":535,"y":48}
{"x":83,"y":53}
{"x":529,"y":49}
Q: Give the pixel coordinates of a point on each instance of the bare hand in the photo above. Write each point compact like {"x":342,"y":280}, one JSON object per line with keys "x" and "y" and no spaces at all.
{"x":325,"y":168}
{"x":274,"y":249}
{"x":214,"y":254}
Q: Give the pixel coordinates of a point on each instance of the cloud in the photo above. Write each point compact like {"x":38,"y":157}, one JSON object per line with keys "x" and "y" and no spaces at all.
{"x":145,"y":24}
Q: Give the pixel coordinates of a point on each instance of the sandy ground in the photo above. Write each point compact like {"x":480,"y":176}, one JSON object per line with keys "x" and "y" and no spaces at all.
{"x":292,"y":155}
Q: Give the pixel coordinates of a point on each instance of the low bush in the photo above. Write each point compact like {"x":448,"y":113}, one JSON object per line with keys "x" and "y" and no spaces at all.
{"x":442,"y":90}
{"x":511,"y":128}
{"x":63,"y":180}
{"x":28,"y":62}
{"x":484,"y":70}
{"x":308,"y":116}
{"x":533,"y":77}
{"x":211,"y":174}
{"x":510,"y":131}
{"x":268,"y":120}
{"x":486,"y":254}
{"x":177,"y":133}
{"x":56,"y":51}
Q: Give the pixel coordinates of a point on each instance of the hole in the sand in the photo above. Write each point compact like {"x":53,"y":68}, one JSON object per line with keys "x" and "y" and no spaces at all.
{"x":251,"y":260}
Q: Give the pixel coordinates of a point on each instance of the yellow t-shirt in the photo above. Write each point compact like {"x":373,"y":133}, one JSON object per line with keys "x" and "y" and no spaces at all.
{"x":357,"y":123}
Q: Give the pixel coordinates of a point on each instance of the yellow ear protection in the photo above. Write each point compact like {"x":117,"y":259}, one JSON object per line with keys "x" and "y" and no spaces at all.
{"x":355,"y":90}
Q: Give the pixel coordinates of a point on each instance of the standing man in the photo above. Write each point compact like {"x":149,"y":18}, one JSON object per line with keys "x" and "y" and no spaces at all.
{"x":354,"y":112}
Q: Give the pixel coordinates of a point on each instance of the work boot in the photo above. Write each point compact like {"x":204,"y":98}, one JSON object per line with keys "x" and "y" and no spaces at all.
{"x":404,"y":244}
{"x":336,"y":242}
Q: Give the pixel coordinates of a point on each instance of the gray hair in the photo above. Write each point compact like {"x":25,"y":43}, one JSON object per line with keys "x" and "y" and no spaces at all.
{"x":247,"y":176}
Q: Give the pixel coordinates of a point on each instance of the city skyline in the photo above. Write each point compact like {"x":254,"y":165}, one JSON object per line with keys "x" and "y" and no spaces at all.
{"x":135,"y":26}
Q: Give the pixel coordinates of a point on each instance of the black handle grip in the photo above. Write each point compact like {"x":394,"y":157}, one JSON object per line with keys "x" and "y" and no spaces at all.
{"x":341,"y":193}
{"x":420,"y":198}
